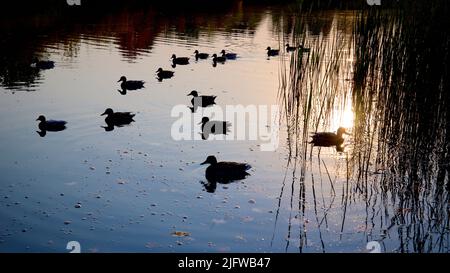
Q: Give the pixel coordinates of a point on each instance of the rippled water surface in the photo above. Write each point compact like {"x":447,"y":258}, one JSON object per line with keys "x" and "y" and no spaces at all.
{"x":136,"y":185}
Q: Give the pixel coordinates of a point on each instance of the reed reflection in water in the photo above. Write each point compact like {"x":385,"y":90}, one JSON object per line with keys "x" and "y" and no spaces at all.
{"x":381,"y":77}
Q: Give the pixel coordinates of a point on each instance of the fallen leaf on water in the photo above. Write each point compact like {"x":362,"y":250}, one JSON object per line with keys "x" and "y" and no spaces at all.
{"x":180,"y":233}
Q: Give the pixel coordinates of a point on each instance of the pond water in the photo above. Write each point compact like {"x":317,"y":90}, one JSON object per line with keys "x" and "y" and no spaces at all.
{"x":138,"y":189}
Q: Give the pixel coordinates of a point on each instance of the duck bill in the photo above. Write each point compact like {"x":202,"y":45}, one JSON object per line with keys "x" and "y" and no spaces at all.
{"x":203,"y":163}
{"x":103,"y":114}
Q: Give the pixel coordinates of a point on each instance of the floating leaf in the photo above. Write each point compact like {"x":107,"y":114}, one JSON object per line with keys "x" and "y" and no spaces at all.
{"x":180,"y":233}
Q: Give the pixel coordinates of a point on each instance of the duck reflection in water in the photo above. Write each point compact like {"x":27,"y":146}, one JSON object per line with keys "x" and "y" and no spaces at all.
{"x":118,"y":119}
{"x":223,"y":172}
{"x":200,"y":101}
{"x":50,"y":125}
{"x":329,"y":139}
{"x":214,"y":127}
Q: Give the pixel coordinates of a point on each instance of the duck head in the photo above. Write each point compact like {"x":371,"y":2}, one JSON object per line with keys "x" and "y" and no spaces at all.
{"x":41,"y":118}
{"x":341,"y":131}
{"x":210,"y":160}
{"x":193,"y":93}
{"x":223,"y":51}
{"x":159,"y":70}
{"x":108,"y":112}
{"x":214,"y":55}
{"x":268,"y":48}
{"x":204,"y":120}
{"x":122,"y":79}
{"x":196,"y":52}
{"x":174,"y":56}
{"x":287,"y":45}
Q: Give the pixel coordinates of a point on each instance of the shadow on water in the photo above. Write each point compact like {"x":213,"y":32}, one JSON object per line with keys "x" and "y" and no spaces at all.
{"x":388,"y":68}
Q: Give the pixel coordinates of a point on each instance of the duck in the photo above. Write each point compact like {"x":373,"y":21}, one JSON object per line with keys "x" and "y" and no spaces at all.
{"x":328,"y":139}
{"x":164,"y":74}
{"x":51,"y":125}
{"x":272,"y":52}
{"x":117,"y":118}
{"x":130,"y":85}
{"x":180,"y":60}
{"x":214,"y":126}
{"x":200,"y":55}
{"x":202,"y":101}
{"x":300,"y":47}
{"x":291,"y":48}
{"x":42,"y":64}
{"x":218,"y":59}
{"x":225,"y":172}
{"x":229,"y":55}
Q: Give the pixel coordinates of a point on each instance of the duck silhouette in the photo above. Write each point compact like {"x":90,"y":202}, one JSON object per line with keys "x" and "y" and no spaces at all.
{"x":214,"y":127}
{"x":291,"y":48}
{"x":117,"y":119}
{"x":229,"y":55}
{"x":218,"y":59}
{"x":223,"y":172}
{"x":43,"y":65}
{"x":272,"y":52}
{"x":328,"y":139}
{"x":164,"y":74}
{"x":201,"y":101}
{"x":130,"y":85}
{"x":179,"y":60}
{"x":50,"y":125}
{"x":300,"y":47}
{"x":199,"y":55}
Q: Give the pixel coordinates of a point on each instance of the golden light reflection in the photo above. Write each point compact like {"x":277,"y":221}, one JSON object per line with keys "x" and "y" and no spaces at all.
{"x":343,"y":116}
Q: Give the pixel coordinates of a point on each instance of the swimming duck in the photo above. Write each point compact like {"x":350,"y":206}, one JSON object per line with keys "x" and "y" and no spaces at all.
{"x":291,"y":48}
{"x":51,"y":125}
{"x":224,"y":172}
{"x":200,"y":55}
{"x":117,"y":118}
{"x":229,"y":55}
{"x":272,"y":52}
{"x":218,"y":59}
{"x":42,"y":64}
{"x":300,"y":47}
{"x":214,"y":127}
{"x":202,"y":101}
{"x":164,"y":74}
{"x":328,"y":139}
{"x":130,"y":85}
{"x":180,"y":60}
